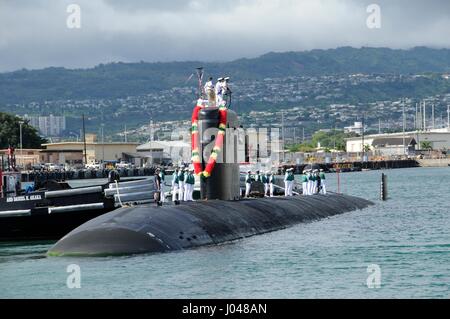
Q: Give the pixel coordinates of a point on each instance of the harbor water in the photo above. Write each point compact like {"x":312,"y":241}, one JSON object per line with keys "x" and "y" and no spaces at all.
{"x":407,"y":237}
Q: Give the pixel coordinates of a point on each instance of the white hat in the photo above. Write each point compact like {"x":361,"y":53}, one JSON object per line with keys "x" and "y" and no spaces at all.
{"x":249,"y":171}
{"x":227,"y":78}
{"x":220,"y":79}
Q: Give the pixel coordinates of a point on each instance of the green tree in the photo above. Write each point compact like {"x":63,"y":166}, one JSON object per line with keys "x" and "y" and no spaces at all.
{"x":10,"y":133}
{"x":426,"y":146}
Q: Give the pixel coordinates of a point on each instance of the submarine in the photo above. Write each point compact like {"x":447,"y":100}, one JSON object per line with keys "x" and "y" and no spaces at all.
{"x":220,"y":216}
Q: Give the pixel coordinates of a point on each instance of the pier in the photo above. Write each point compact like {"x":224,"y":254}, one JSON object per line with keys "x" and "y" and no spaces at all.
{"x":346,"y":167}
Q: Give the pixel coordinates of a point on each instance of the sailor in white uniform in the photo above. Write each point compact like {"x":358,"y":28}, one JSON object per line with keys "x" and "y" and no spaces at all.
{"x":291,"y":181}
{"x":181,"y":180}
{"x":248,"y":184}
{"x":225,"y":89}
{"x":305,"y":183}
{"x":266,"y":182}
{"x":186,"y":185}
{"x":162,"y":175}
{"x":308,"y":183}
{"x":190,"y":183}
{"x":175,"y":186}
{"x":286,"y":183}
{"x":219,"y":91}
{"x":271,"y":184}
{"x":210,"y":92}
{"x":323,"y":182}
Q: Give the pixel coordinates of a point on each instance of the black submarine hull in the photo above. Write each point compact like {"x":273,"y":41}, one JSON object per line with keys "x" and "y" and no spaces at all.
{"x":148,"y":229}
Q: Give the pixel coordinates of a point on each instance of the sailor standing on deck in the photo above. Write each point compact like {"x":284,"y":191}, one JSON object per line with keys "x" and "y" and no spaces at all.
{"x":210,"y":92}
{"x":181,"y":183}
{"x":317,"y":185}
{"x":286,"y":183}
{"x":265,"y":180}
{"x":175,"y":183}
{"x":190,"y":182}
{"x":323,"y":182}
{"x":258,"y":177}
{"x":219,"y":91}
{"x":157,"y":184}
{"x":271,"y":183}
{"x":310,"y":182}
{"x":305,"y":183}
{"x":186,"y":185}
{"x":162,"y":175}
{"x":291,"y":180}
{"x":248,"y":184}
{"x":226,"y":89}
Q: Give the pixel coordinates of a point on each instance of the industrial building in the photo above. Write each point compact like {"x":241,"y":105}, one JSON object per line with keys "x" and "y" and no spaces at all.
{"x":72,"y":153}
{"x":400,"y":143}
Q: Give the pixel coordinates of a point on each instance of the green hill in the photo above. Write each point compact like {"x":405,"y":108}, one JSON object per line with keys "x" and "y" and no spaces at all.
{"x":128,"y":79}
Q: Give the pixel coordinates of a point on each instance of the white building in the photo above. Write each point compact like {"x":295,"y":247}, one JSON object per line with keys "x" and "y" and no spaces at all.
{"x":392,"y":144}
{"x":51,"y":126}
{"x":356,"y":128}
{"x":159,"y":152}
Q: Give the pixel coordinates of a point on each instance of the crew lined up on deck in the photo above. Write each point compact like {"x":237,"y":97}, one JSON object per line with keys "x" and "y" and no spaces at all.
{"x":313,"y":182}
{"x":216,"y":93}
{"x":183,"y":181}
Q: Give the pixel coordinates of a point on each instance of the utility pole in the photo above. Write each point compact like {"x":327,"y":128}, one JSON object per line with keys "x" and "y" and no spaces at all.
{"x":379,"y":126}
{"x":404,"y":128}
{"x":448,"y":116}
{"x":424,"y":116}
{"x":103,"y":144}
{"x":21,"y":142}
{"x":283,"y":133}
{"x":363,"y":137}
{"x":433,"y":117}
{"x":84,"y":142}
{"x":415,"y":118}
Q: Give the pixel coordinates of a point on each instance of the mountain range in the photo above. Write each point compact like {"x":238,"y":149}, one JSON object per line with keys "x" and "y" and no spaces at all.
{"x":117,"y":80}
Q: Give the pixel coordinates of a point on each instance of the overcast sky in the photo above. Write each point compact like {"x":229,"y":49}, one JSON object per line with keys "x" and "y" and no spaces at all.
{"x":34,"y":34}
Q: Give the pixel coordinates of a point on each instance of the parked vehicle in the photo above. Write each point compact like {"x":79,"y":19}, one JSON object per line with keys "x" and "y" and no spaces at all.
{"x":124,"y":165}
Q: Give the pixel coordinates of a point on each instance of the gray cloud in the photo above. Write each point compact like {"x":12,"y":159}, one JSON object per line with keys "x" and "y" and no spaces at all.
{"x":33,"y":34}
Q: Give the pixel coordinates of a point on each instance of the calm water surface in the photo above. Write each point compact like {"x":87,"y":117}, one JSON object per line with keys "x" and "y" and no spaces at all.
{"x":408,"y":237}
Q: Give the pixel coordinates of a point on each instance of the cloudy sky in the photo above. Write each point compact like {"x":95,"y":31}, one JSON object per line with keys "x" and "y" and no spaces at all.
{"x":34,"y":33}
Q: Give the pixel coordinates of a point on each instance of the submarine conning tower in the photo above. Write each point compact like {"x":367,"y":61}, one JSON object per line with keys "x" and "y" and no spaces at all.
{"x":223,"y":184}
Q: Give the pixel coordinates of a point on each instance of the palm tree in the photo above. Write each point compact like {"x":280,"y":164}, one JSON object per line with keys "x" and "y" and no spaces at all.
{"x":426,"y":146}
